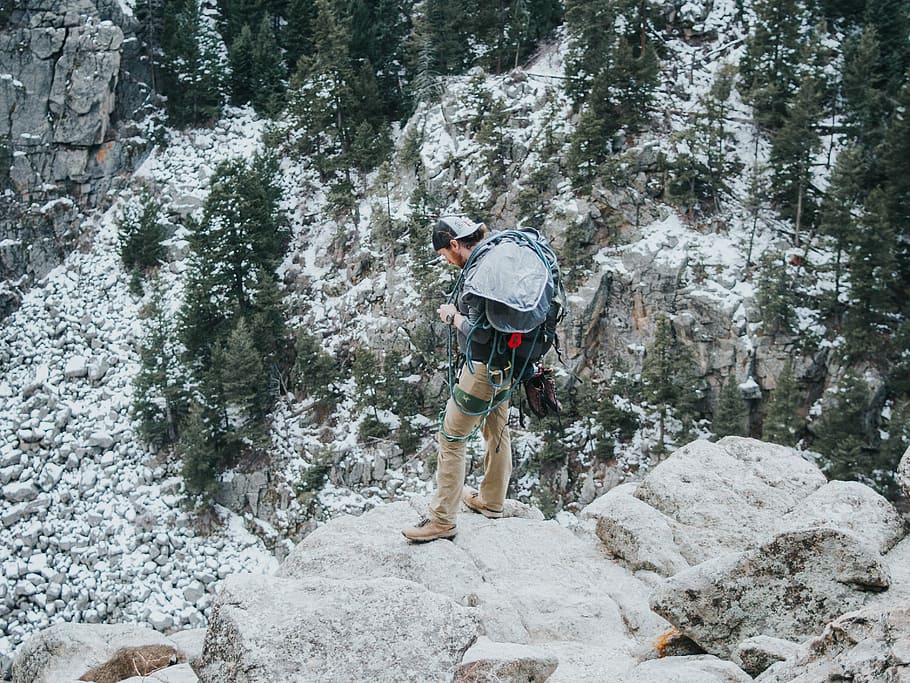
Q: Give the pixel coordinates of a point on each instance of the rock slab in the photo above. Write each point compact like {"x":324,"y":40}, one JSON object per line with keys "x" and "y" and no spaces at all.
{"x":788,"y":588}
{"x":266,"y":629}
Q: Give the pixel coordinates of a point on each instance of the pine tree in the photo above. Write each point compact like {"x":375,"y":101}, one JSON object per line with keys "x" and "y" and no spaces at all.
{"x":297,"y":37}
{"x":243,"y":67}
{"x":141,"y":233}
{"x":669,"y":382}
{"x":873,"y":266}
{"x":242,"y":231}
{"x":865,"y":96}
{"x":611,"y":71}
{"x":243,"y":382}
{"x":782,"y":423}
{"x":315,"y":370}
{"x":270,"y":77}
{"x":730,"y":414}
{"x":840,"y":209}
{"x":159,"y":396}
{"x":769,"y":68}
{"x":841,"y":435}
{"x":194,"y":62}
{"x":792,"y":150}
{"x":776,"y":295}
{"x":201,"y":460}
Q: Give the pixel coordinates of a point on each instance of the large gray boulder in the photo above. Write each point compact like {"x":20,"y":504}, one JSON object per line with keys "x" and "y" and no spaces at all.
{"x":266,"y":629}
{"x":871,"y":644}
{"x":705,"y":500}
{"x":529,"y":582}
{"x":636,"y":533}
{"x":64,"y":652}
{"x":851,"y":507}
{"x":787,"y":588}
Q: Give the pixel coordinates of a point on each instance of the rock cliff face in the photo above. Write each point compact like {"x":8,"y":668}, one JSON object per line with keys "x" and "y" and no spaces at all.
{"x":67,"y":70}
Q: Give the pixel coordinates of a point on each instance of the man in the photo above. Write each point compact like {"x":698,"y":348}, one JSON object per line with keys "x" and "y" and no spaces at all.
{"x":481,"y":395}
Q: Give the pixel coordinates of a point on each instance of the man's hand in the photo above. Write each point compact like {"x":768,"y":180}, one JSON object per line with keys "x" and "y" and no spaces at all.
{"x":447,"y":313}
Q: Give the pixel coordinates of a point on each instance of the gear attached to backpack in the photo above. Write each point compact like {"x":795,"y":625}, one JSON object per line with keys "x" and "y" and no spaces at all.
{"x":516,"y":274}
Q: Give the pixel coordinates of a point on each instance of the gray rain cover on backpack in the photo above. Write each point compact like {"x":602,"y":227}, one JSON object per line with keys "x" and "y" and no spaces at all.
{"x":516,"y":283}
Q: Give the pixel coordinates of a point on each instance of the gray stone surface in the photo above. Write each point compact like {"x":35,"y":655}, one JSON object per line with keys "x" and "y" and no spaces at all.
{"x":528,"y":582}
{"x":706,"y":499}
{"x":689,"y":669}
{"x":489,"y":662}
{"x":754,"y":655}
{"x":63,"y":653}
{"x":871,"y":644}
{"x":788,"y":588}
{"x":275,"y":629}
{"x":636,"y":533}
{"x":851,"y":507}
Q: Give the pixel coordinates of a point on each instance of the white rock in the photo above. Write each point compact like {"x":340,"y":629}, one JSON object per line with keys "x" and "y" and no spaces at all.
{"x":101,"y":439}
{"x":360,"y":630}
{"x":691,"y":669}
{"x":76,"y":367}
{"x":727,"y":496}
{"x":851,"y":507}
{"x":903,"y":472}
{"x":20,"y":492}
{"x":50,"y":476}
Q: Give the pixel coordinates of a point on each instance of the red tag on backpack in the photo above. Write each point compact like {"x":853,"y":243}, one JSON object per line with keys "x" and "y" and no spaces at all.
{"x":514,"y":340}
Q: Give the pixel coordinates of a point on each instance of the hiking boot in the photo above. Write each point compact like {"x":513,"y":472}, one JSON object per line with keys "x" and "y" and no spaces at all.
{"x":428,"y":530}
{"x":474,"y":502}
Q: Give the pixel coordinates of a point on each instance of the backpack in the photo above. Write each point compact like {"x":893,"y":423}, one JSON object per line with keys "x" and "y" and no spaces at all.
{"x":523,"y":295}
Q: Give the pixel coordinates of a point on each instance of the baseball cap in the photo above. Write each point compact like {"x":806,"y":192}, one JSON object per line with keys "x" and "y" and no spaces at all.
{"x":452,"y":228}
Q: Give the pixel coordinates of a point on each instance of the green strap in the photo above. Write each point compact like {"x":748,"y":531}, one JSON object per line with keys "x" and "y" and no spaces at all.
{"x":475,"y":405}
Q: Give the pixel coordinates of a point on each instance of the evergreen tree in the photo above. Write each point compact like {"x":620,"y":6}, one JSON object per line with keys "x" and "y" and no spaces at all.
{"x":242,"y":233}
{"x":892,"y":448}
{"x":141,"y":233}
{"x":244,"y":383}
{"x":840,"y":209}
{"x":297,"y":37}
{"x":730,"y":414}
{"x":792,"y":150}
{"x":611,"y":71}
{"x":194,"y":62}
{"x":669,"y":382}
{"x":891,"y":21}
{"x":896,"y":190}
{"x":776,"y":295}
{"x":841,"y":435}
{"x":873,"y":305}
{"x":865,"y":96}
{"x":159,"y":397}
{"x":782,"y":423}
{"x":769,"y":68}
{"x":201,"y":460}
{"x":315,"y":370}
{"x":269,"y":76}
{"x":235,"y":14}
{"x":701,"y":172}
{"x":243,"y":67}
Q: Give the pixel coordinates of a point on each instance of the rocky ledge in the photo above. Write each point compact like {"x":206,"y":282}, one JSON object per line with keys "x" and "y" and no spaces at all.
{"x":730,"y":560}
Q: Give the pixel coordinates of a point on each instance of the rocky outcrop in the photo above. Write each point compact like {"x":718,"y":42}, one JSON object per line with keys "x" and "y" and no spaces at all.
{"x":63,"y":143}
{"x":788,"y":588}
{"x":867,"y":645}
{"x":705,"y":500}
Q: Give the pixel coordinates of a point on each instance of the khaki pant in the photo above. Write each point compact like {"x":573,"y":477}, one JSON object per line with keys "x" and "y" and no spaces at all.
{"x":497,"y":462}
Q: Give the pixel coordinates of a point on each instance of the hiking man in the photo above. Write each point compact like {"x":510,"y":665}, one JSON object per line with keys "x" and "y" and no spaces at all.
{"x":479,"y":386}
